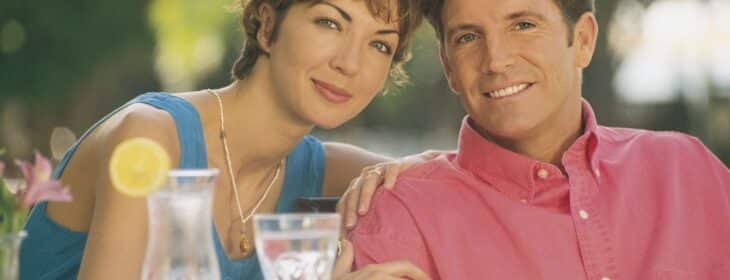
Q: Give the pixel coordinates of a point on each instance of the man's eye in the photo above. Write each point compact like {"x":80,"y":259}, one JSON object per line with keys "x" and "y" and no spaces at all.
{"x":382,"y":47}
{"x":524,"y":26}
{"x":329,"y":23}
{"x":466,"y":38}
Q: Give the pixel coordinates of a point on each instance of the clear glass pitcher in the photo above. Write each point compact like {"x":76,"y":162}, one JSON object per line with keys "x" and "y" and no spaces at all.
{"x":180,"y":243}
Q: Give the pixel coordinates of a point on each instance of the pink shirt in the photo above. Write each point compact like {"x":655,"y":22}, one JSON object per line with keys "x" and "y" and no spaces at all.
{"x":634,"y":205}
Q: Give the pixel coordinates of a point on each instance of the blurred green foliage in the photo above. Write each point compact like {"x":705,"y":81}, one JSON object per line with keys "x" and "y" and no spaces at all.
{"x":78,"y":59}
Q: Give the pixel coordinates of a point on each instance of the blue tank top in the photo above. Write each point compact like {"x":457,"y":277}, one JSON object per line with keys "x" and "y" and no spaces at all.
{"x":52,"y":251}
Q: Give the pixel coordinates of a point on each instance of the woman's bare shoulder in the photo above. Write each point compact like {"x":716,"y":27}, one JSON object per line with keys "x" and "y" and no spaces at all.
{"x":87,"y":171}
{"x":137,"y":120}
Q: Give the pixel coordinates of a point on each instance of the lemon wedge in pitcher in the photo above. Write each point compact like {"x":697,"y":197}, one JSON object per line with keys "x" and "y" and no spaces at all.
{"x":138,"y":166}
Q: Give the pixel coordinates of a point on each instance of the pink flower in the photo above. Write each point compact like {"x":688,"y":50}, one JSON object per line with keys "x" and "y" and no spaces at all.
{"x":38,"y":184}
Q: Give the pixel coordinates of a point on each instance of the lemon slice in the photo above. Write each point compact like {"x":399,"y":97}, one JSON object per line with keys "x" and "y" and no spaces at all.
{"x":138,"y":166}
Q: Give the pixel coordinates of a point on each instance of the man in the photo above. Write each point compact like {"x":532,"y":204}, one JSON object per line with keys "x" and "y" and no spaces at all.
{"x":537,"y":189}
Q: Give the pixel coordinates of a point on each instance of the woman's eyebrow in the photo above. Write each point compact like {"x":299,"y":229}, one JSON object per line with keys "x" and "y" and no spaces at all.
{"x":348,"y":18}
{"x":387,"y":31}
{"x":342,"y":12}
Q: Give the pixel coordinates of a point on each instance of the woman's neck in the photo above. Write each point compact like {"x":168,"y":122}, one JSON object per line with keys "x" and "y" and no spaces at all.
{"x":260,"y":128}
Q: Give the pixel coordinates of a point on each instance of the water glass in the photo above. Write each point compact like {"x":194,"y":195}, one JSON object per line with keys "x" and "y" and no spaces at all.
{"x":296,"y":246}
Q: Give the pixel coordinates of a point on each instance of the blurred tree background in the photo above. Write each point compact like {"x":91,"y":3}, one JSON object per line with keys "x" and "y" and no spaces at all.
{"x":63,"y":65}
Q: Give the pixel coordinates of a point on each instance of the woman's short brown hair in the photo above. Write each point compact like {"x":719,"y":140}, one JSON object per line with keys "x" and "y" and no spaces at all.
{"x":409,"y":17}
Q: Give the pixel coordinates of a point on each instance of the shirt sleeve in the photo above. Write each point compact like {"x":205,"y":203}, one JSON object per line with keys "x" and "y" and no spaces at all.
{"x":713,"y":169}
{"x":389,"y":233}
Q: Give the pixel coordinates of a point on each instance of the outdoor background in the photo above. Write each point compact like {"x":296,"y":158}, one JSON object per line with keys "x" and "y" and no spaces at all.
{"x":660,"y":65}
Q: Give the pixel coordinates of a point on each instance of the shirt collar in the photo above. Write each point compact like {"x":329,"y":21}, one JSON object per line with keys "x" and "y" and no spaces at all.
{"x":586,"y":145}
{"x":497,"y":165}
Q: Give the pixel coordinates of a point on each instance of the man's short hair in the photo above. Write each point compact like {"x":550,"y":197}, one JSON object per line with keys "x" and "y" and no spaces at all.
{"x":571,"y":10}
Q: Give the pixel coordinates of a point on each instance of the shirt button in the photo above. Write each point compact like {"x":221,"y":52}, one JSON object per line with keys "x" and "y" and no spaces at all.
{"x":583,"y":215}
{"x":543,"y":174}
{"x":524,"y":200}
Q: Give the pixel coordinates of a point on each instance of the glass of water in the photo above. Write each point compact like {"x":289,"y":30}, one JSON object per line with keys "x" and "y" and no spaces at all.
{"x":297,"y":246}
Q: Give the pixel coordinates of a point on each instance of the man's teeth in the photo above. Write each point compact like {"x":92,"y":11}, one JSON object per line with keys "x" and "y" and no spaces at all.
{"x":508,"y":91}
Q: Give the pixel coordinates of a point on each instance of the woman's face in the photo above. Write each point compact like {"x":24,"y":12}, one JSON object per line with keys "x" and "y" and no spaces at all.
{"x":330,"y":59}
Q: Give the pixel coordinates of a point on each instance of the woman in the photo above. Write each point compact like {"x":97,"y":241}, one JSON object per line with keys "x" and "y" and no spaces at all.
{"x":305,"y":64}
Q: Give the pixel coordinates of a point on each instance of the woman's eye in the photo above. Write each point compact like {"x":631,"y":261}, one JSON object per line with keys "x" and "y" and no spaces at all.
{"x":382,"y":47}
{"x":329,"y":23}
{"x":466,"y":38}
{"x":524,"y":26}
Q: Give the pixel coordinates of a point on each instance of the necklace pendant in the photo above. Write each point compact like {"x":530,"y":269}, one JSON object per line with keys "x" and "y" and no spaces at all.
{"x":244,"y":244}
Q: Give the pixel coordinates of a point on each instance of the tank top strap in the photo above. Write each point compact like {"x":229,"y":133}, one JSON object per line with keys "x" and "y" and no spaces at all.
{"x":187,"y":122}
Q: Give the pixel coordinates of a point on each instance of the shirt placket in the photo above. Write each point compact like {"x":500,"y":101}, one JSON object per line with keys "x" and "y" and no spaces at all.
{"x":594,"y":240}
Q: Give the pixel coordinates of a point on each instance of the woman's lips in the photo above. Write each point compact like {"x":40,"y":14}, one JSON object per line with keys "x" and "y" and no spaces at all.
{"x":330,"y":92}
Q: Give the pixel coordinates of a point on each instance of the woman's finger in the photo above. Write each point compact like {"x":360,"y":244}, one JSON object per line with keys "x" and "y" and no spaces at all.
{"x":391,"y":173}
{"x":373,"y":178}
{"x":402,"y":269}
{"x":343,"y":264}
{"x":342,"y":203}
{"x":351,"y":205}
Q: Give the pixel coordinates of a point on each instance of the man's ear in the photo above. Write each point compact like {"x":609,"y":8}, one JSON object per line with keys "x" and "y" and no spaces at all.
{"x":264,"y":35}
{"x":585,"y":35}
{"x":447,"y":69}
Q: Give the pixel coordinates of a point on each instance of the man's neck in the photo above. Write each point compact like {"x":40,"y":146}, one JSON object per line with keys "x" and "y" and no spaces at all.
{"x":549,"y":142}
{"x":544,"y":148}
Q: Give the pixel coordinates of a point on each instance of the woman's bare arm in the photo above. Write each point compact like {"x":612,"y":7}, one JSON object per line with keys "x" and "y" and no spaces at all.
{"x":117,"y":235}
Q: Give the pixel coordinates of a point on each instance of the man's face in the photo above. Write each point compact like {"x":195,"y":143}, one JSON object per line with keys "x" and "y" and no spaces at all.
{"x":511,"y":64}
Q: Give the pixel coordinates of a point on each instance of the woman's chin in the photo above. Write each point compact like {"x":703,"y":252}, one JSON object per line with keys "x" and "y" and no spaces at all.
{"x":327,"y":117}
{"x":329,"y":124}
{"x":328,"y":121}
